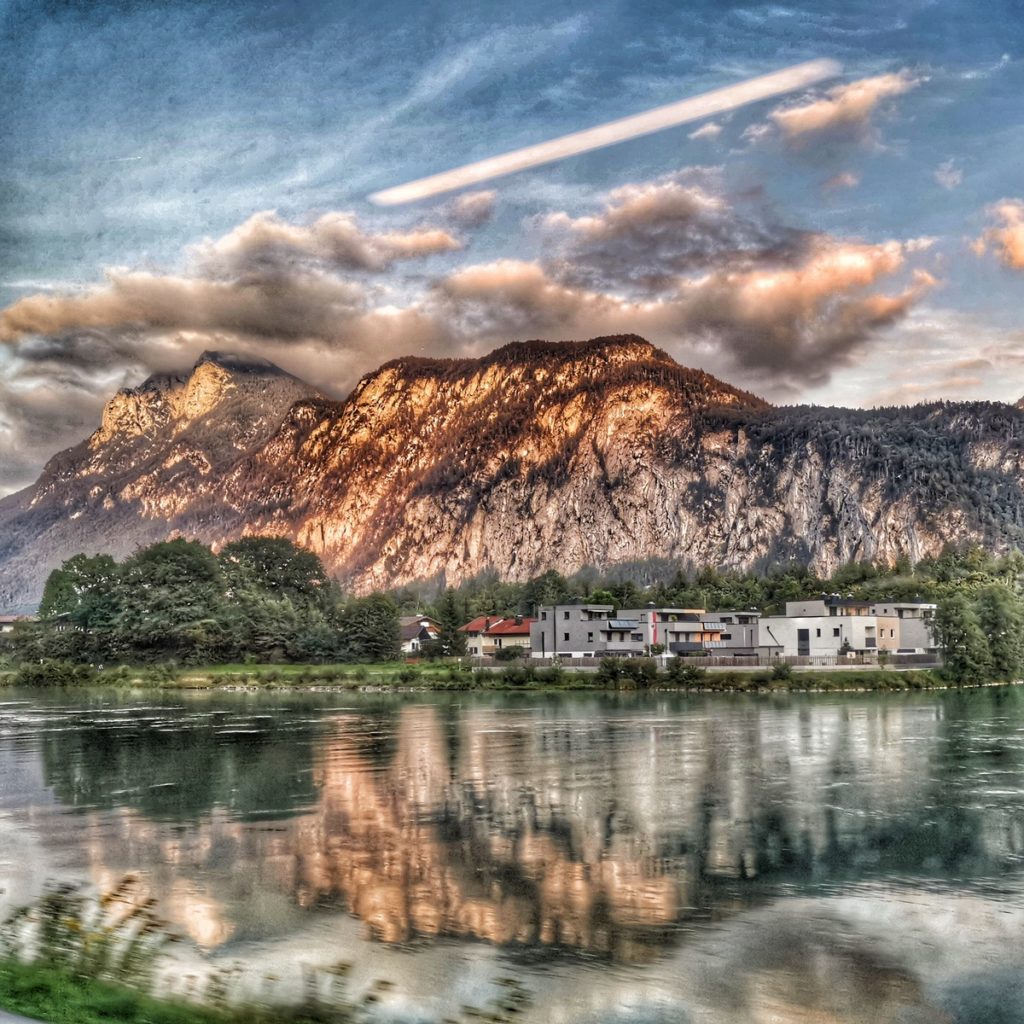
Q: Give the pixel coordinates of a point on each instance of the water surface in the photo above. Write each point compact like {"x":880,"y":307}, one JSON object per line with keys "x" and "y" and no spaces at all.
{"x":704,"y":859}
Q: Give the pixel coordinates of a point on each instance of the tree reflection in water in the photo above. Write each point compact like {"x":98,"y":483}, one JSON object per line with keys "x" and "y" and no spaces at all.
{"x":632,"y":830}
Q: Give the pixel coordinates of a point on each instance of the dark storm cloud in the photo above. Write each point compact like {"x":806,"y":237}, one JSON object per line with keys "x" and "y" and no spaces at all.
{"x":647,"y":234}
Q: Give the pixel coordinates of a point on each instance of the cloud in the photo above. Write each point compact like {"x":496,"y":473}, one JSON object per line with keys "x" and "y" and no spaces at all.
{"x":30,"y":431}
{"x":955,"y":356}
{"x":845,"y":179}
{"x":710,"y":130}
{"x":266,"y":279}
{"x":646,"y":234}
{"x":472,"y":209}
{"x":843,"y":109}
{"x":948,"y":175}
{"x":784,"y":326}
{"x":719,"y":282}
{"x":300,"y":305}
{"x":1006,"y":236}
{"x":334,"y":240}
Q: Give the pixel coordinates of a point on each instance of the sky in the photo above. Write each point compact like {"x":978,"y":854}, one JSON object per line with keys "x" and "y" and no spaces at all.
{"x":186,"y":176}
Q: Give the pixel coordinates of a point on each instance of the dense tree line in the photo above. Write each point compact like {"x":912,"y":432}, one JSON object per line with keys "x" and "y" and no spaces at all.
{"x":259,"y":598}
{"x":267,"y":600}
{"x":666,"y":584}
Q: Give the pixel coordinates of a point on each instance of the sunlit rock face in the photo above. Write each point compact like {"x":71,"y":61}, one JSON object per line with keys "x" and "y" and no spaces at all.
{"x":538,"y":455}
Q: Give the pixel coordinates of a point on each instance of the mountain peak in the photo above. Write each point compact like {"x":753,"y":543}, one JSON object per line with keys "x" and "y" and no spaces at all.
{"x":537,"y":455}
{"x":237,"y":362}
{"x":168,"y":403}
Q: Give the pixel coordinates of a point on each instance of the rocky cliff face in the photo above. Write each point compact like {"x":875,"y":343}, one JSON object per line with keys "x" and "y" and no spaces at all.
{"x":536,"y":456}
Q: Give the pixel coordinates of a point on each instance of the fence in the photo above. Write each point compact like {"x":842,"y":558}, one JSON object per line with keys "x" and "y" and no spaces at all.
{"x":751,"y":661}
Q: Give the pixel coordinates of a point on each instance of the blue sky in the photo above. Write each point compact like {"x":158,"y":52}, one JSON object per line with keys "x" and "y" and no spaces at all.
{"x":138,"y":137}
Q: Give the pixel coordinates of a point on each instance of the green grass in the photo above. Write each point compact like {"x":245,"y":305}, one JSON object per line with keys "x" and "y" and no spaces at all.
{"x":58,"y":997}
{"x":518,"y":676}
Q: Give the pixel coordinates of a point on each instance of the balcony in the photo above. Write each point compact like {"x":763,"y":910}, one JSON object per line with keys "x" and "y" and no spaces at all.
{"x":619,"y":647}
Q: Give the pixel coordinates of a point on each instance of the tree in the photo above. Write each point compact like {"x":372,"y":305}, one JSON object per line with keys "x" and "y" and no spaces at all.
{"x":369,"y":629}
{"x":451,"y":614}
{"x":1002,"y":622}
{"x":83,"y":589}
{"x":959,"y":635}
{"x":171,"y":599}
{"x":275,"y":565}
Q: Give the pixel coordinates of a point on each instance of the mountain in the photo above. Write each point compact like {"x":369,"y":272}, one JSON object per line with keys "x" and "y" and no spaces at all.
{"x":539,"y":455}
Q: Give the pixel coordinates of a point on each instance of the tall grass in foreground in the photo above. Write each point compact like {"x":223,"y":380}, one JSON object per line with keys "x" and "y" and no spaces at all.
{"x":76,"y":958}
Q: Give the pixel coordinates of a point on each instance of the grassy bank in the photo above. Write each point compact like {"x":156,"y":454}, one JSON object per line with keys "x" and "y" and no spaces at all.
{"x":610,"y":674}
{"x":76,"y":956}
{"x":58,"y":996}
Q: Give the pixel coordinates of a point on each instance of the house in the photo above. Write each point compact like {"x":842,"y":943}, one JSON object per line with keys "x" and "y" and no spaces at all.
{"x":914,"y":629}
{"x":415,"y":631}
{"x":677,"y":630}
{"x":831,"y":625}
{"x":598,"y":630}
{"x":8,"y":622}
{"x":580,"y":631}
{"x":741,"y":635}
{"x":506,"y":633}
{"x":477,"y":645}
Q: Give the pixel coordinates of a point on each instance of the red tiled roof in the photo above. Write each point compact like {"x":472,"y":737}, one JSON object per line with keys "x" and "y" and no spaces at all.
{"x":480,"y":623}
{"x":509,"y":627}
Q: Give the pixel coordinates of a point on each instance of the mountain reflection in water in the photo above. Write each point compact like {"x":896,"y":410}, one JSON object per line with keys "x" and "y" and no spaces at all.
{"x":766,"y":860}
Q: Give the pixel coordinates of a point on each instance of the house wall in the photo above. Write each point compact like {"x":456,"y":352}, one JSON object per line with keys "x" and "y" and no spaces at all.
{"x":570,"y":630}
{"x":511,"y":641}
{"x":737,"y":637}
{"x":914,"y":623}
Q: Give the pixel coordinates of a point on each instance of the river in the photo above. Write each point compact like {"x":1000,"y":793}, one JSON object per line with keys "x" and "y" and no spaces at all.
{"x":699,"y":859}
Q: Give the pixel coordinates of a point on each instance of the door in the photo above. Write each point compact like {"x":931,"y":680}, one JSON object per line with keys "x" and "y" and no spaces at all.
{"x":803,"y":642}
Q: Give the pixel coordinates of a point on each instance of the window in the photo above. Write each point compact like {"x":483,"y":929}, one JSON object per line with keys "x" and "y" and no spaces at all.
{"x":835,"y":632}
{"x":636,"y":636}
{"x":590,"y":638}
{"x":544,"y":616}
{"x":565,"y":636}
{"x":565,"y":615}
{"x":727,"y":636}
{"x":817,"y":632}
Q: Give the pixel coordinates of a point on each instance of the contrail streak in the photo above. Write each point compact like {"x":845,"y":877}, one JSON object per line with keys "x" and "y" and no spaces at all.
{"x":715,"y":102}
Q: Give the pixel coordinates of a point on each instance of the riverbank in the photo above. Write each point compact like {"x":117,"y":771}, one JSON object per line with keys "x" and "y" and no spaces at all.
{"x":56,"y":996}
{"x":399,"y":677}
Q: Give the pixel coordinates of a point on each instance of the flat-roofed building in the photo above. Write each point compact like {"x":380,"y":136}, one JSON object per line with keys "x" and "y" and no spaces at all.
{"x":678,"y":630}
{"x":597,"y":631}
{"x":580,"y":631}
{"x":741,"y":634}
{"x":914,"y":624}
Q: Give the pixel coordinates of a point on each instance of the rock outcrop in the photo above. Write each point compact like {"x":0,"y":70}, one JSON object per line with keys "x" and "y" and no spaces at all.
{"x":539,"y":455}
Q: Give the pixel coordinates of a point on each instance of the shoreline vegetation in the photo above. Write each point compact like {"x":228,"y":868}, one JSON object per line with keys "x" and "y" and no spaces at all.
{"x":262,"y":613}
{"x":76,"y":956}
{"x":610,"y":675}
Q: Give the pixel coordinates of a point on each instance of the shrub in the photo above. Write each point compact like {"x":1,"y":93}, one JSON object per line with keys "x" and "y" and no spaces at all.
{"x":684,"y":673}
{"x":54,"y":673}
{"x":517,"y":675}
{"x":508,"y":653}
{"x":781,"y":671}
{"x":638,"y":673}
